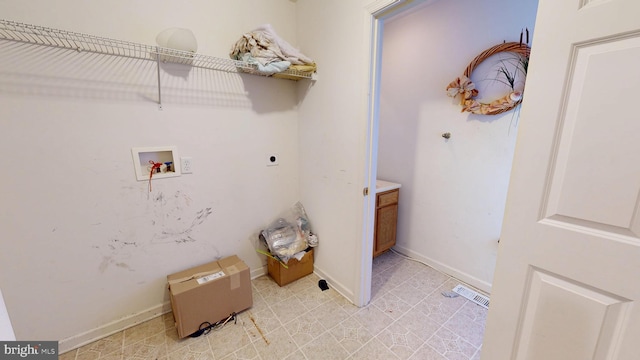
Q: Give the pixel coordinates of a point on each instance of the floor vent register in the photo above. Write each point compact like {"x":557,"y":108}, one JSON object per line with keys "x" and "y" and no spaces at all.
{"x":472,"y":295}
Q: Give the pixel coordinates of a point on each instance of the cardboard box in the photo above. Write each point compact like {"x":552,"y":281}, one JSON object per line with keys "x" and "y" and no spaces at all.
{"x":296,"y":270}
{"x":209,"y":292}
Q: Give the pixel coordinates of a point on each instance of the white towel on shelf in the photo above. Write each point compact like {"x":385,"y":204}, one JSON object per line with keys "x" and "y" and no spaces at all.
{"x":291,"y":54}
{"x":265,"y":47}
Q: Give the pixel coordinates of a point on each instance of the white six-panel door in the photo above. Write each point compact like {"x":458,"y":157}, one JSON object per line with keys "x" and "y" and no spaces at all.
{"x":567,"y":283}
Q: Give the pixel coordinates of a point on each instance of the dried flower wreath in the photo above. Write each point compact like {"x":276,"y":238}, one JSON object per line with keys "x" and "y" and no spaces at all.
{"x":464,"y":87}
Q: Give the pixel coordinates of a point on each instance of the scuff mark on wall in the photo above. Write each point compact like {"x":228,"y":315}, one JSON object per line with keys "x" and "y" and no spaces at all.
{"x":115,"y":250}
{"x":184,"y":235}
{"x":124,"y":243}
{"x":160,"y":198}
{"x":162,"y":219}
{"x":201,"y":216}
{"x":109,"y":260}
{"x":124,"y":266}
{"x":105,"y":263}
{"x":186,"y":197}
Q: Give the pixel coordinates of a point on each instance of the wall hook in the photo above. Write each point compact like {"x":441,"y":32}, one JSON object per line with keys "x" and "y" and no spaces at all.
{"x":446,"y":135}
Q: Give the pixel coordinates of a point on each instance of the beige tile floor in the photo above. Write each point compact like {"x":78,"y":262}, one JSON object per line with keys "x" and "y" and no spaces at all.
{"x":408,"y":318}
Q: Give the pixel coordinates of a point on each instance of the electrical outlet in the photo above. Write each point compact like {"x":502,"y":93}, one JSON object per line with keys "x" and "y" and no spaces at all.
{"x":186,"y":164}
{"x":273,"y":160}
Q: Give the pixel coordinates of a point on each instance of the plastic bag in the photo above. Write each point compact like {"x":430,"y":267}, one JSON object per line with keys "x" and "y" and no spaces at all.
{"x":289,"y":234}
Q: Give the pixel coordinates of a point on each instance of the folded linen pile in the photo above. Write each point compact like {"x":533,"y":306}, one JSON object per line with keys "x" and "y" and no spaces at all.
{"x":269,"y":52}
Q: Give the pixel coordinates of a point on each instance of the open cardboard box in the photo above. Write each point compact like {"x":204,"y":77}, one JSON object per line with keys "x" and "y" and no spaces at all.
{"x":209,"y":293}
{"x":296,"y":269}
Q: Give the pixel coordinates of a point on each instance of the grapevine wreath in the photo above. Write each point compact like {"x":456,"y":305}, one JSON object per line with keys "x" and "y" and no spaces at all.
{"x":464,"y":87}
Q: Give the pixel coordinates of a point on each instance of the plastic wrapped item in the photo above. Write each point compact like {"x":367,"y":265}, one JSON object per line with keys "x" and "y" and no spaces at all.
{"x":289,"y":234}
{"x":312,"y":239}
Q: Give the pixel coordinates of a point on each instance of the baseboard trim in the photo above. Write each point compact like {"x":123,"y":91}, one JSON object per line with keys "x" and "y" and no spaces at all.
{"x":256,"y":273}
{"x":113,"y":327}
{"x":336,"y":285}
{"x":460,"y":275}
{"x":76,"y":341}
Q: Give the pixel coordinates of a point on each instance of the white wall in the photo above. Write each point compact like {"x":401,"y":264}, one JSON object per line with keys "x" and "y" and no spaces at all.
{"x":85,"y":247}
{"x":333,"y":124}
{"x":453,"y":192}
{"x":103,"y":245}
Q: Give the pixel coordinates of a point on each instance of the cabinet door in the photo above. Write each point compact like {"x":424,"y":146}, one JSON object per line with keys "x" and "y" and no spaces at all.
{"x":386,"y":224}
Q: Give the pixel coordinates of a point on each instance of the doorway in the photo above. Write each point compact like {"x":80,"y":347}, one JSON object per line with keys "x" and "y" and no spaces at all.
{"x":453,"y":190}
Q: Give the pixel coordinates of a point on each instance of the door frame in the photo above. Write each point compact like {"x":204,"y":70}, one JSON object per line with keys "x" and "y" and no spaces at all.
{"x":376,"y":12}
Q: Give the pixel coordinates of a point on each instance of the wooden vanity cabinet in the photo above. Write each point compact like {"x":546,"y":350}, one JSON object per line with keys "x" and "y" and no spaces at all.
{"x":386,"y":220}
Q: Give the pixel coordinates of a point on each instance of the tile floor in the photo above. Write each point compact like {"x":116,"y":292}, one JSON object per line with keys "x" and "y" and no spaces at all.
{"x":408,"y":318}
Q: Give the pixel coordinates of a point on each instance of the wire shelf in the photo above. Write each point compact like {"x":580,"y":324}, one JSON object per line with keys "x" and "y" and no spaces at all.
{"x":44,"y":36}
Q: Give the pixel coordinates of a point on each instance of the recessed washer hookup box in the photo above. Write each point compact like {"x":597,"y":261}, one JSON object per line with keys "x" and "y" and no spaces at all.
{"x":209,"y":293}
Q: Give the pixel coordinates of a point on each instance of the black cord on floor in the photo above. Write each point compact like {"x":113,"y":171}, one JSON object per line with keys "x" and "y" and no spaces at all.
{"x":206,"y":326}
